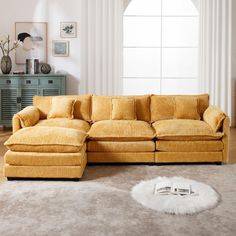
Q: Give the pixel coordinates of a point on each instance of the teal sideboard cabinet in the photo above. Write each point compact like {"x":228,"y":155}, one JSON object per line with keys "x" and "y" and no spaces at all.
{"x":17,"y":91}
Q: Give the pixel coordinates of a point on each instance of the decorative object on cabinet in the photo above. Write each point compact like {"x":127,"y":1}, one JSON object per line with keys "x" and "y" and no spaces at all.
{"x":33,"y":36}
{"x":6,"y":47}
{"x":16,"y":92}
{"x":60,"y":48}
{"x":6,"y":64}
{"x":45,"y":68}
{"x":32,"y":66}
{"x":36,"y":66}
{"x":68,"y":29}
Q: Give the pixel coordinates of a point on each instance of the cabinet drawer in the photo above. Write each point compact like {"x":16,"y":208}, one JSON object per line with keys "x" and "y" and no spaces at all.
{"x":29,"y":82}
{"x":8,"y":81}
{"x":50,"y":82}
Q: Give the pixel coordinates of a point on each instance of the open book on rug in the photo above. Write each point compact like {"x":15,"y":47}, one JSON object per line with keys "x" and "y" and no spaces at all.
{"x":166,"y":188}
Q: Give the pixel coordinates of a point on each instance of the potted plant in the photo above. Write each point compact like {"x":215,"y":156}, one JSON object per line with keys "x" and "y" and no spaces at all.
{"x":6,"y":46}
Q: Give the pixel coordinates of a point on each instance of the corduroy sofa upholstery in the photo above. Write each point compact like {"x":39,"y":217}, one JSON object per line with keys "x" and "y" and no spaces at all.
{"x":146,"y":129}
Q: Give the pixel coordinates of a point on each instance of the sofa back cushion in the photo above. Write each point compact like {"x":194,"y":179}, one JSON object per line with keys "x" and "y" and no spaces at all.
{"x":82,"y":107}
{"x":163,"y":106}
{"x":102,"y":107}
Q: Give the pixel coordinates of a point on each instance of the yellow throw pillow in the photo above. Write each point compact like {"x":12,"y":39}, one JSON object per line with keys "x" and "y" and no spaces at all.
{"x":62,"y":107}
{"x":186,"y":108}
{"x":214,"y":117}
{"x":123,"y":109}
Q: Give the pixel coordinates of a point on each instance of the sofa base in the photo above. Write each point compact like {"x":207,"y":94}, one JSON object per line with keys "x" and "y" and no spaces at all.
{"x":55,"y":172}
{"x":191,"y":157}
{"x":43,"y":171}
{"x":121,"y":157}
{"x":42,"y":179}
{"x":45,"y":158}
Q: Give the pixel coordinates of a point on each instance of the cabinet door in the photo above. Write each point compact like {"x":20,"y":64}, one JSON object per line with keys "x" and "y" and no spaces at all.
{"x":8,"y":104}
{"x":27,"y":96}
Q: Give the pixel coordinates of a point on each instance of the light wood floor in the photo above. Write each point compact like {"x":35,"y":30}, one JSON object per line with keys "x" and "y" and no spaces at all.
{"x":6,"y":133}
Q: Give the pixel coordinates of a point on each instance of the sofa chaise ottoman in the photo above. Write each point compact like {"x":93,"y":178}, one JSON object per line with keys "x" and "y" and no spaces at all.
{"x":54,"y":152}
{"x":144,"y":129}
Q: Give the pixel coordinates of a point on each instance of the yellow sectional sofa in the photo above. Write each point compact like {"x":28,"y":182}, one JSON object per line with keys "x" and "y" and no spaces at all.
{"x":56,"y":136}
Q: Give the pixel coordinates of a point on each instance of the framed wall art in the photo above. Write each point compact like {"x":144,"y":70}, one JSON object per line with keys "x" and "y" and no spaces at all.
{"x":68,"y":29}
{"x":60,"y":48}
{"x":33,"y":36}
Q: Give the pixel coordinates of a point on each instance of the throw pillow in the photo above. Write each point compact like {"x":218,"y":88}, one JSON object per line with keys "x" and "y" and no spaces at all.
{"x":186,"y":108}
{"x":123,"y":109}
{"x":62,"y":107}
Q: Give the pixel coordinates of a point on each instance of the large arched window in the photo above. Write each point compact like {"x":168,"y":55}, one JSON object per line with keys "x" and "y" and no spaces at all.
{"x":160,"y":52}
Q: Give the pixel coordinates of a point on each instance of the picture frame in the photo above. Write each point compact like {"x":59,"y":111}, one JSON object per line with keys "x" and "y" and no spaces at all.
{"x":33,"y":36}
{"x":68,"y":29}
{"x":60,"y":48}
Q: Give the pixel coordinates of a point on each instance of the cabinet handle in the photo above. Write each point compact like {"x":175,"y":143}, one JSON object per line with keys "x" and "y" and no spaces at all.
{"x":50,"y":81}
{"x":28,"y":81}
{"x":8,"y":81}
{"x":18,"y":100}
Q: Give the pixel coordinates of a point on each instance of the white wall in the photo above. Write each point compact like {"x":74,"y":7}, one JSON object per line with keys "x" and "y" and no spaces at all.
{"x":233,"y":63}
{"x":53,"y":12}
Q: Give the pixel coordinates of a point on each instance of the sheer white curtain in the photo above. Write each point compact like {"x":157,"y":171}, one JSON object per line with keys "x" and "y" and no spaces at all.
{"x":215,"y":52}
{"x":126,"y":3}
{"x":101,"y":46}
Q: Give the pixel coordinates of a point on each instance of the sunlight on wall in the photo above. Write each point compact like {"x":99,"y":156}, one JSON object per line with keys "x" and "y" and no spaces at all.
{"x":40,"y":12}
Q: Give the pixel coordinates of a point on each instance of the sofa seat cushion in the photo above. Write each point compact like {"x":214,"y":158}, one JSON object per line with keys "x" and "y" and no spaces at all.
{"x":183,"y":129}
{"x":66,"y":123}
{"x":46,"y":139}
{"x":121,"y":130}
{"x":189,"y":146}
{"x":133,"y":146}
{"x":45,"y":158}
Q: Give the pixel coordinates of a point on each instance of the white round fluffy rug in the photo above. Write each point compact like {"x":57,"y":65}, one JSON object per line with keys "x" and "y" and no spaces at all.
{"x":205,"y":198}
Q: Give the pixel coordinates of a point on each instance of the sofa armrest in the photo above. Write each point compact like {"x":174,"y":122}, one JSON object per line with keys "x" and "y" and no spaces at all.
{"x":15,"y":123}
{"x":29,"y":116}
{"x":214,"y":117}
{"x":225,"y":139}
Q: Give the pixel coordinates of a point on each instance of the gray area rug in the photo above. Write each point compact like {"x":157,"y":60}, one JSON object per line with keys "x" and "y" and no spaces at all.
{"x":101,"y":204}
